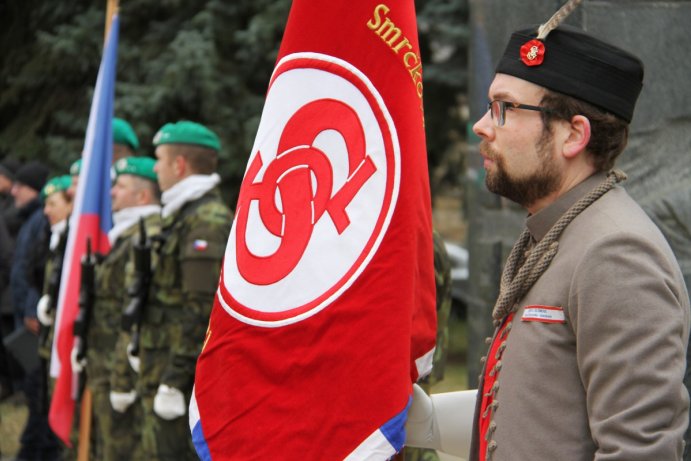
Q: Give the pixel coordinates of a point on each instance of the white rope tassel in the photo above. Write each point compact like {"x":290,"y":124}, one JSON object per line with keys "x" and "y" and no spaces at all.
{"x":557,"y":18}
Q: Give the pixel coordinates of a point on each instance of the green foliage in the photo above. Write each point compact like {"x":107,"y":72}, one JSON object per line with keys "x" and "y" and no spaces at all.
{"x":203,"y":60}
{"x":207,"y":61}
{"x":444,"y":32}
{"x":44,"y":77}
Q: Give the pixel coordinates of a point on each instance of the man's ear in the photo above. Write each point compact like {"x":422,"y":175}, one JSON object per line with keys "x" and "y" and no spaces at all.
{"x":578,"y":137}
{"x":180,"y":166}
{"x":141,"y":196}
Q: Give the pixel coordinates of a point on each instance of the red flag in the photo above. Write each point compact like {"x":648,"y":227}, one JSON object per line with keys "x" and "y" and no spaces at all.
{"x":90,"y":220}
{"x":325,"y":309}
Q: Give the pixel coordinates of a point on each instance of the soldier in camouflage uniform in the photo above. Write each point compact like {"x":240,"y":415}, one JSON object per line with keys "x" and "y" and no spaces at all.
{"x":57,"y":208}
{"x":135,"y":196}
{"x":125,"y":144}
{"x":442,"y":275}
{"x":196,"y":225}
{"x":46,"y":308}
{"x":125,"y":141}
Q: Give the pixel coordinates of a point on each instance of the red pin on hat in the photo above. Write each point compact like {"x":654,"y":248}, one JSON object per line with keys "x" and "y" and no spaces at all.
{"x":533,"y":51}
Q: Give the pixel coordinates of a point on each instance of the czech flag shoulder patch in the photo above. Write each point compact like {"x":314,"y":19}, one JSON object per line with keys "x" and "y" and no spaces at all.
{"x":200,"y":245}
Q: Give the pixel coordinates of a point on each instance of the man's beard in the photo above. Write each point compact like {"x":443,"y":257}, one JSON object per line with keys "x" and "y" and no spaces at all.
{"x":529,"y":189}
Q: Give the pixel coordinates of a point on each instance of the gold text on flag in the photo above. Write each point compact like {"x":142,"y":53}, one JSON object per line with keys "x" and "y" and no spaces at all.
{"x":393,"y":36}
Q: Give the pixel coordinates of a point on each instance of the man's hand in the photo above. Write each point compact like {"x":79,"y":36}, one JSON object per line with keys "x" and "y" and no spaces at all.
{"x":421,"y":430}
{"x":133,"y":359}
{"x":169,"y":403}
{"x":121,"y":401}
{"x":31,"y":324}
{"x":42,"y":309}
{"x":77,"y":365}
{"x":441,"y":421}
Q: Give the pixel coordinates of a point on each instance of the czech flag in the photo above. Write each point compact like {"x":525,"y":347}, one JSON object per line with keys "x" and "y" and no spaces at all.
{"x":325,"y":311}
{"x":91,"y":219}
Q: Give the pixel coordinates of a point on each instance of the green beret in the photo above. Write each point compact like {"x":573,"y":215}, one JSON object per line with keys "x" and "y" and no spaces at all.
{"x":124,"y":134}
{"x":187,"y":133}
{"x":137,"y":166}
{"x":57,"y":184}
{"x":76,"y":167}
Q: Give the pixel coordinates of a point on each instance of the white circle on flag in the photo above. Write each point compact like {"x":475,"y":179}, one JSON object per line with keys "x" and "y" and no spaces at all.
{"x":320,"y":188}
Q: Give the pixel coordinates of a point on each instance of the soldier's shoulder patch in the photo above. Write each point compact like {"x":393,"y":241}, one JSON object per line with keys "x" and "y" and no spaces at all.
{"x":200,"y":245}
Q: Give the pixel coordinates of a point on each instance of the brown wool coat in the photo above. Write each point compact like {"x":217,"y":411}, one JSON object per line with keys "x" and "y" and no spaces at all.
{"x":607,"y":383}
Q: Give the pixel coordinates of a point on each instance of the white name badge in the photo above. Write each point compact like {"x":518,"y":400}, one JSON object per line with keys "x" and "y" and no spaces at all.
{"x":544,"y":314}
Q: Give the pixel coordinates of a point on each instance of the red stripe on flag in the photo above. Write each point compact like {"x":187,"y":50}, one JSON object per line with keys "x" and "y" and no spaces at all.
{"x":62,"y":403}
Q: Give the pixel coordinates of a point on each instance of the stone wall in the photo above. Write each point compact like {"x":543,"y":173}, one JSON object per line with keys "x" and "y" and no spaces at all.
{"x":658,"y":159}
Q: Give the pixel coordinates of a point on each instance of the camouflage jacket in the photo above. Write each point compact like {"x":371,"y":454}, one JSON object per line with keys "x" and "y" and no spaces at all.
{"x":113,"y":275}
{"x":46,"y":337}
{"x":53,"y":261}
{"x":190,"y":251}
{"x":442,"y":275}
{"x":122,"y":376}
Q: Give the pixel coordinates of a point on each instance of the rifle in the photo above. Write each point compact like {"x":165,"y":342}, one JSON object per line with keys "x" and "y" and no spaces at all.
{"x":86,"y":303}
{"x":139,"y":290}
{"x":52,"y":292}
{"x":53,"y":285}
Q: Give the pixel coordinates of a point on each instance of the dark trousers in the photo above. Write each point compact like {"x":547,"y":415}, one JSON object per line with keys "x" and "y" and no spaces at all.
{"x":38,"y":442}
{"x":11,"y":373}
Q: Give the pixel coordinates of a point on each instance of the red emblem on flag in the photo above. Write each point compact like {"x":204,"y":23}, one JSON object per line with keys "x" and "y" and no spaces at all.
{"x":297,"y":193}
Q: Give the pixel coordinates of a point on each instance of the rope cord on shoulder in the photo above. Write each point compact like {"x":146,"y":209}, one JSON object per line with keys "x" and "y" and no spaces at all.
{"x":519,"y":276}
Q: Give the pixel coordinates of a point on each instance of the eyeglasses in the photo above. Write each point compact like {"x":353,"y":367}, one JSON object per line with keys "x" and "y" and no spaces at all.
{"x":497,"y":110}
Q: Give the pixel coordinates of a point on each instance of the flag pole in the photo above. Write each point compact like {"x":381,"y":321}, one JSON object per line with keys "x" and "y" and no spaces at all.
{"x":111,"y":9}
{"x":86,"y":402}
{"x":84,"y":425}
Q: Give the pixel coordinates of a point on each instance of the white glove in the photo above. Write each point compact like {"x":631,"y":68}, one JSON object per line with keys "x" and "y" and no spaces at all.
{"x":121,"y":401}
{"x":133,"y":359}
{"x":441,"y":421}
{"x":169,"y":403}
{"x":77,"y":365}
{"x":42,"y":311}
{"x":421,"y":426}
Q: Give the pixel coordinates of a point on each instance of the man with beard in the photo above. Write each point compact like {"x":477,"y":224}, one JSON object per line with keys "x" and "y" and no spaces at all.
{"x":592,"y":322}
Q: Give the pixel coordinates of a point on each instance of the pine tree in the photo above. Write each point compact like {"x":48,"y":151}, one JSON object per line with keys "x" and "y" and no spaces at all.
{"x":204,"y":60}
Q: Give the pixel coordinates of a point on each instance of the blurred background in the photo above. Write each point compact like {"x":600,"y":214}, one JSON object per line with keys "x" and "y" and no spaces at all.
{"x":203,"y":60}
